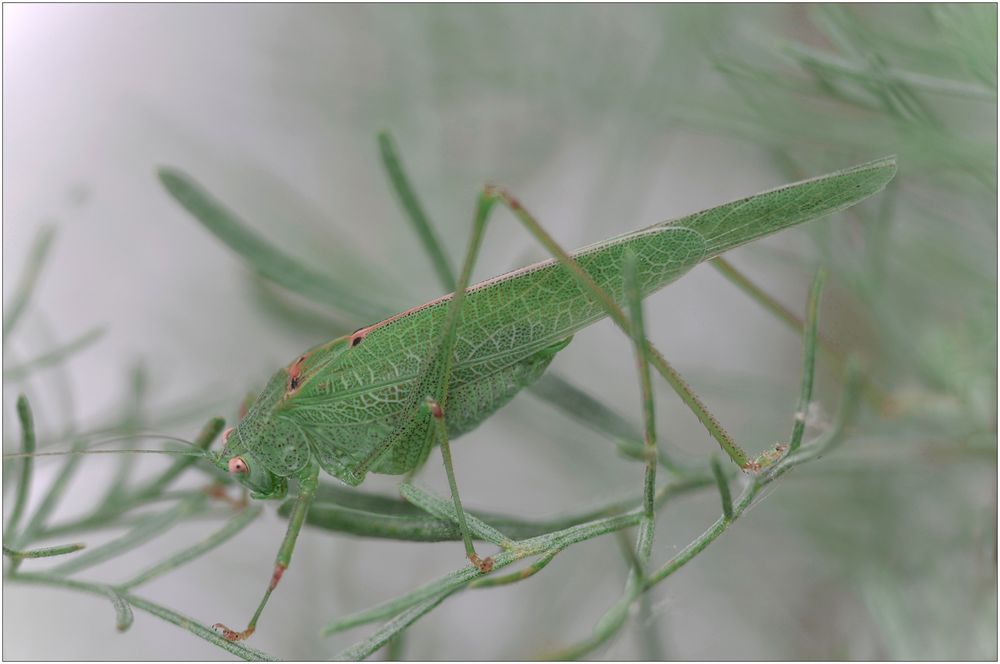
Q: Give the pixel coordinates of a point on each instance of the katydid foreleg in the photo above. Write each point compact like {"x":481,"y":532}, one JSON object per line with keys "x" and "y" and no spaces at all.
{"x":308,"y":480}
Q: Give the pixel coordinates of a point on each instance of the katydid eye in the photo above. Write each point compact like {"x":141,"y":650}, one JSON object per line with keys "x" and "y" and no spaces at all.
{"x":237,"y":466}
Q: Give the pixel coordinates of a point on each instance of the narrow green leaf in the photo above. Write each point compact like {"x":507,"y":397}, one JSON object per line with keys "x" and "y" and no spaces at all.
{"x":584,"y":408}
{"x":182,"y":621}
{"x":123,"y":610}
{"x":27,"y":465}
{"x":46,"y":552}
{"x":261,"y":255}
{"x":414,"y":211}
{"x":29,"y":278}
{"x":54,"y":356}
{"x":808,"y":362}
{"x":444,"y":509}
{"x":130,"y":424}
{"x":723,"y":483}
{"x":810,"y":57}
{"x":52,"y":497}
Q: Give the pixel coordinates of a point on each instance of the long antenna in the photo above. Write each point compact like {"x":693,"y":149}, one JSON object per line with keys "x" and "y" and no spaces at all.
{"x":21,"y":455}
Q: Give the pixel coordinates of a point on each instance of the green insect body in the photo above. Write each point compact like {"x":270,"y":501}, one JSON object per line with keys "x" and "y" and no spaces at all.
{"x":337,"y":404}
{"x":378,"y":400}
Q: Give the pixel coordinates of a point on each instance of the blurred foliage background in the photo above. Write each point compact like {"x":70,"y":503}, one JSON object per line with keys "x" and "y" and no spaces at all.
{"x":602,"y":119}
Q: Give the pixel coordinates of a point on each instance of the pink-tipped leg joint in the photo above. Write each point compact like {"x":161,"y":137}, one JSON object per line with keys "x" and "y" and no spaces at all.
{"x":233,"y":635}
{"x":230,"y":635}
{"x":279,"y":569}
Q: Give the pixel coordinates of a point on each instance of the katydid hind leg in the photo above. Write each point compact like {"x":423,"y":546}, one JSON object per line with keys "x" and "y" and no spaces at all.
{"x":308,"y":480}
{"x":494,"y":194}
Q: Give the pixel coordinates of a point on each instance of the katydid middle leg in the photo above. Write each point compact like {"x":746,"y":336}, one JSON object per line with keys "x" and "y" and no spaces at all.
{"x":308,"y":480}
{"x":430,"y":393}
{"x":439,"y":378}
{"x":441,"y":434}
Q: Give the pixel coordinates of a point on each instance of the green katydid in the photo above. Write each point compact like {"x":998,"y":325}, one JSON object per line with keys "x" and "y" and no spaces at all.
{"x":379,"y":399}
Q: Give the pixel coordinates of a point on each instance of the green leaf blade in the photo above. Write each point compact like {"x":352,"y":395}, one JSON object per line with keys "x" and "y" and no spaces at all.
{"x":260,"y":254}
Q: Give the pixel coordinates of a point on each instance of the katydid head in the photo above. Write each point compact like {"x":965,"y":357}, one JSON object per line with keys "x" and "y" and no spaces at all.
{"x":254,"y":475}
{"x":248,"y":468}
{"x":264,"y":448}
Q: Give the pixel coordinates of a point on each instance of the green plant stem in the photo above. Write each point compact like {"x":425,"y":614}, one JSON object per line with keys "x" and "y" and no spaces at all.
{"x":392,"y":629}
{"x":494,"y":580}
{"x":634,"y":298}
{"x":182,"y":621}
{"x":824,"y":444}
{"x":123,"y":610}
{"x":613,"y":619}
{"x":369,"y":515}
{"x":637,"y":584}
{"x":461,"y":578}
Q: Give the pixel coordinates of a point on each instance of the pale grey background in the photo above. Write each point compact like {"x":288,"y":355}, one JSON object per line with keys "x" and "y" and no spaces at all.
{"x":275,"y":109}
